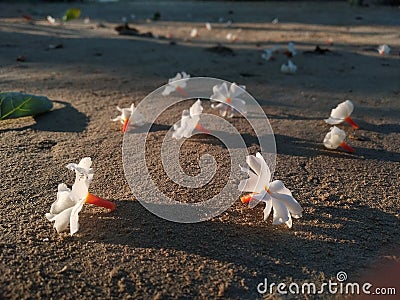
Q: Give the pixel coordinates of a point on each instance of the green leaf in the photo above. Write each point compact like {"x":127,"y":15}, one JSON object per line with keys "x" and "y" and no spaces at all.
{"x":15,"y":105}
{"x":71,"y":14}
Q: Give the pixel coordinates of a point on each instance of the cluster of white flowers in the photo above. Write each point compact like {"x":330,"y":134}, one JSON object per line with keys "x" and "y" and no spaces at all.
{"x":229,"y":102}
{"x":335,"y":138}
{"x":290,"y":51}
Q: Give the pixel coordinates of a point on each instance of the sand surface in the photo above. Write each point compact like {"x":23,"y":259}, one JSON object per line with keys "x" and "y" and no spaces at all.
{"x":350,"y":201}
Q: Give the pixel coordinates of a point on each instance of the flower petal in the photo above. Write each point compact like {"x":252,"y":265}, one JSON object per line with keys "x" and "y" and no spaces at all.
{"x":62,"y":220}
{"x":239,"y":105}
{"x":196,"y":109}
{"x":220,"y":92}
{"x":289,"y":222}
{"x":334,"y":138}
{"x":63,"y":200}
{"x":281,"y":213}
{"x":168,"y":90}
{"x":74,"y":217}
{"x":264,"y":172}
{"x":277,"y":186}
{"x":235,"y":90}
{"x":333,"y":121}
{"x":343,"y":110}
{"x":85,"y":163}
{"x":250,"y":184}
{"x":289,"y":202}
{"x":267,"y":209}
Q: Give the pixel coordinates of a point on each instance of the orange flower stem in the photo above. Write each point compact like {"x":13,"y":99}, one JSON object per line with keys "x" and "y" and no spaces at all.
{"x":246,"y":198}
{"x":346,"y":147}
{"x":125,"y":125}
{"x":351,"y":122}
{"x":181,"y":91}
{"x":92,"y":199}
{"x":200,"y":128}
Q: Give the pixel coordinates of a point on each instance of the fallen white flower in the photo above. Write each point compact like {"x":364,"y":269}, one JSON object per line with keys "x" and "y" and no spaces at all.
{"x":65,"y":210}
{"x":51,"y":20}
{"x":130,"y":116}
{"x":336,"y":138}
{"x":189,"y":122}
{"x":231,"y":37}
{"x":384,"y":50}
{"x":194,"y":33}
{"x":274,"y":194}
{"x":342,"y":113}
{"x":268,"y":54}
{"x":177,"y":83}
{"x":229,"y":101}
{"x":290,"y":68}
{"x":291,"y":49}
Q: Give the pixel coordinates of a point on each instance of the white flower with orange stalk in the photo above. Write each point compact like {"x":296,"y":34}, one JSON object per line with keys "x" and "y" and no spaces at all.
{"x":274,"y":194}
{"x":65,"y":210}
{"x":341,"y":114}
{"x":335,"y":138}
{"x":384,"y":49}
{"x":189,"y":122}
{"x":130,"y":116}
{"x":177,"y":83}
{"x":229,"y":101}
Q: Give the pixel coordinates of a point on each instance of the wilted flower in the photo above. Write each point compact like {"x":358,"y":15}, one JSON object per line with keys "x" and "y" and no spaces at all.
{"x":290,"y":68}
{"x":274,"y":194}
{"x":384,"y":50}
{"x":229,"y":101}
{"x":65,"y":210}
{"x":342,"y":113}
{"x":268,"y":54}
{"x":335,"y":138}
{"x":130,"y":116}
{"x":189,"y":122}
{"x":175,"y":85}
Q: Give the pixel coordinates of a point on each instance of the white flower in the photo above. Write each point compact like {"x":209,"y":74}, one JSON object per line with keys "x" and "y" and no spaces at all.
{"x":177,"y":83}
{"x":231,"y":37}
{"x":335,"y":138}
{"x":384,"y":49}
{"x":65,"y":210}
{"x":189,"y":122}
{"x":194,"y":33}
{"x":274,"y":194}
{"x":208,"y":26}
{"x":130,"y":116}
{"x":291,"y":49}
{"x":342,"y":113}
{"x":268,"y":54}
{"x":229,"y":101}
{"x":69,"y":203}
{"x":51,"y":20}
{"x":290,"y":68}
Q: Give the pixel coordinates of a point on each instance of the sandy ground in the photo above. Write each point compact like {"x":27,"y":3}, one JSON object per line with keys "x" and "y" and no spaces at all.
{"x":351,"y":205}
